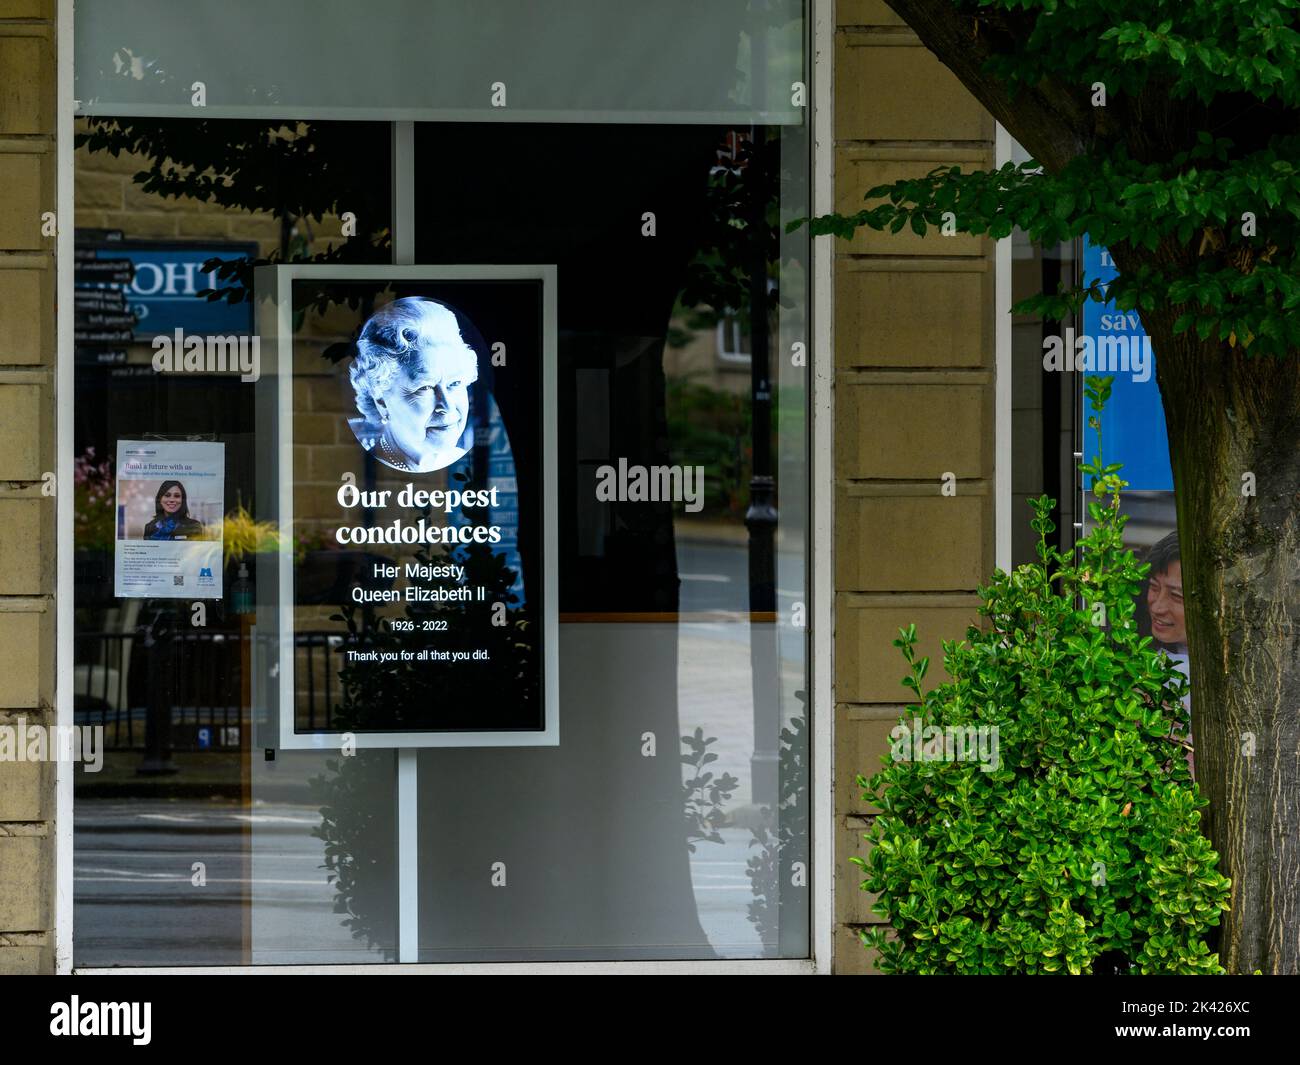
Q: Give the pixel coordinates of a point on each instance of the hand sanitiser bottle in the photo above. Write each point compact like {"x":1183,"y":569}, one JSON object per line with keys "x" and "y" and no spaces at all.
{"x":241,"y":592}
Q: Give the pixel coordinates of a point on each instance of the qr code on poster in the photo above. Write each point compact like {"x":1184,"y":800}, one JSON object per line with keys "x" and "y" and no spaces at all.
{"x":178,"y":578}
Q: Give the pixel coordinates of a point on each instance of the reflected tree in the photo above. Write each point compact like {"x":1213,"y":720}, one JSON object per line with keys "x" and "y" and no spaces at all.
{"x":778,"y":869}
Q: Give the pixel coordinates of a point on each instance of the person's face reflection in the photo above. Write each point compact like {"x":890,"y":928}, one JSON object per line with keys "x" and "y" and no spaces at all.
{"x":1165,"y":603}
{"x":428,"y":403}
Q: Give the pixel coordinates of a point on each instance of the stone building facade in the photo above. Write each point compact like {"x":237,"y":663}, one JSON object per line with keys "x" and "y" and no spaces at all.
{"x":914,"y":400}
{"x":28,"y":426}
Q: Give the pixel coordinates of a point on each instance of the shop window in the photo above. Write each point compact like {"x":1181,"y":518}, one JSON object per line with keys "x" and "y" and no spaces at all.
{"x":671,"y":819}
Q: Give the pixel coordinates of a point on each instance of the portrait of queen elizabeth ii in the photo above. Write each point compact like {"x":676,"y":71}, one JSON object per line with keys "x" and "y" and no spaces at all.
{"x":411,"y":378}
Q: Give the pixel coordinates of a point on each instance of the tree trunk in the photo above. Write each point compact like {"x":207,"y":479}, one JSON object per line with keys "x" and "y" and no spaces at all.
{"x":1229,"y":416}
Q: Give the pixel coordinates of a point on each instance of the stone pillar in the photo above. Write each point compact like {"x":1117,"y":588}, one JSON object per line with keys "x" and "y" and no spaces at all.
{"x":27,"y":452}
{"x":914,"y":362}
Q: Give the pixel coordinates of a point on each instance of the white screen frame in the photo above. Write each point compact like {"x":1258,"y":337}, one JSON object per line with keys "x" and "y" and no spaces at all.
{"x":274,"y":289}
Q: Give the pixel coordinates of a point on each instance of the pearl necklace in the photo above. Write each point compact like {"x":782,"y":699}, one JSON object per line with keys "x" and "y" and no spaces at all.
{"x":389,"y":455}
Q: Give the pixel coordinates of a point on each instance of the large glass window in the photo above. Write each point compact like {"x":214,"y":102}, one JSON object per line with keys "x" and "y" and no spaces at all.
{"x":646,"y":164}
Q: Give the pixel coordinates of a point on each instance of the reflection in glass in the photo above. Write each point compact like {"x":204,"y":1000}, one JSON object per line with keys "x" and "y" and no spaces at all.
{"x":672,"y":820}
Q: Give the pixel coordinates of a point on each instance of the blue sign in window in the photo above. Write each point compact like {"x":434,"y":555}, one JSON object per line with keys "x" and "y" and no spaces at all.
{"x":1133,"y":423}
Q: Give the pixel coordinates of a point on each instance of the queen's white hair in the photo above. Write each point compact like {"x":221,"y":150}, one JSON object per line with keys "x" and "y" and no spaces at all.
{"x":391,"y":338}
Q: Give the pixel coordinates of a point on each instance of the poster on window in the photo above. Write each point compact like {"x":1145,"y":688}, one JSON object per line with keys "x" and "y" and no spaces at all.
{"x":169,"y":519}
{"x":415,"y":420}
{"x":1133,"y":423}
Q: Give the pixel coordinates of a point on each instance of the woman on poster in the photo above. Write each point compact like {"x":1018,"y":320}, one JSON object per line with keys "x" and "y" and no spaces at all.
{"x":171,"y":519}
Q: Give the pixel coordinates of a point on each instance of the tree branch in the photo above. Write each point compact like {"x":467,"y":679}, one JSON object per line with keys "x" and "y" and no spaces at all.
{"x":1054,"y":122}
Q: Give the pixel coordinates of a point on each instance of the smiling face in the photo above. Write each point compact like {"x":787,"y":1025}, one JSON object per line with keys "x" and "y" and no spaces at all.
{"x":1165,"y":604}
{"x":172,"y":500}
{"x":427,"y":404}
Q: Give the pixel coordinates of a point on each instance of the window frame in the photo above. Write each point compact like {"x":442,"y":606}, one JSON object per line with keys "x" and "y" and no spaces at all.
{"x":819,"y":28}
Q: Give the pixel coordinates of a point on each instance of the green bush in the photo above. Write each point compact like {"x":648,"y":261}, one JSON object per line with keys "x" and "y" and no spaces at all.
{"x":1049,"y":824}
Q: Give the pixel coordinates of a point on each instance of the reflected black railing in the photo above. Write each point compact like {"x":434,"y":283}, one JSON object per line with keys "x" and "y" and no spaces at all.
{"x":114,"y":673}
